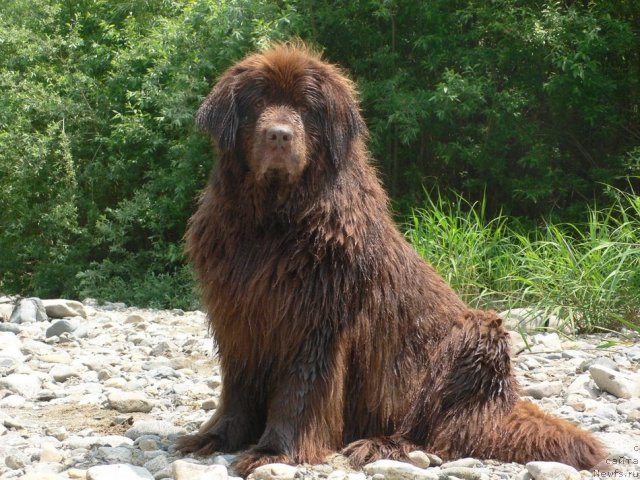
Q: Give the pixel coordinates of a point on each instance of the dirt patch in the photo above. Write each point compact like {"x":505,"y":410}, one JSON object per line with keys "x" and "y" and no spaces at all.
{"x":73,"y":418}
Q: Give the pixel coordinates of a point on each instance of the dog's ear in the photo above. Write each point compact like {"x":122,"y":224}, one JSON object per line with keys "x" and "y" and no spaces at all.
{"x":218,"y":115}
{"x":342,"y":122}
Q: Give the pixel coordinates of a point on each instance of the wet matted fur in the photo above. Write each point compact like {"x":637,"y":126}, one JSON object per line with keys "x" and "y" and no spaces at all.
{"x":333,"y":334}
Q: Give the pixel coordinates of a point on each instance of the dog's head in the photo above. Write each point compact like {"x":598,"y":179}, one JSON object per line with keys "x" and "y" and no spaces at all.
{"x":282,"y":109}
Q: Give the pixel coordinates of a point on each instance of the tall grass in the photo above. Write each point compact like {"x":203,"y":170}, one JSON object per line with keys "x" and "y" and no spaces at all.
{"x":587,"y":274}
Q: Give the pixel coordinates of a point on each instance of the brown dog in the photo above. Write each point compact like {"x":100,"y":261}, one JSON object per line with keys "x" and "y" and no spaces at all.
{"x":333,"y":334}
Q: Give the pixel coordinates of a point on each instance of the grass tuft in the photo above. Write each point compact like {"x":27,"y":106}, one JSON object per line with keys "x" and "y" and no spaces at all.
{"x":587,"y":274}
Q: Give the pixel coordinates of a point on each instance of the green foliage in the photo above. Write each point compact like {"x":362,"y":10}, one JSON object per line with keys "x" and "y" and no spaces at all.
{"x":99,"y":160}
{"x":532,"y":102}
{"x":588,"y":273}
{"x":530,"y":106}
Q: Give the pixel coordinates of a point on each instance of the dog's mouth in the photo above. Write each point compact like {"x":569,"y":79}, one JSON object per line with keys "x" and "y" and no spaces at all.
{"x":274,"y":168}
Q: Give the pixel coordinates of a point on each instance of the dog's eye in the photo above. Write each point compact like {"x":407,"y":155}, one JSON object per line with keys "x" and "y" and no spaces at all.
{"x":303,"y":109}
{"x":260,"y":103}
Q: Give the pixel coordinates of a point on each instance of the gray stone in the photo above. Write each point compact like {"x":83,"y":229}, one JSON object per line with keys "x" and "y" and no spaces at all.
{"x":10,"y":327}
{"x":156,"y":464}
{"x":210,"y":404}
{"x":543,"y":389}
{"x":60,"y":327}
{"x":185,"y":470}
{"x":552,"y":471}
{"x":394,"y":470}
{"x":118,"y":472}
{"x":15,"y":461}
{"x":61,"y":308}
{"x":29,"y":310}
{"x":116,"y":454}
{"x":129,"y":402}
{"x":148,"y":443}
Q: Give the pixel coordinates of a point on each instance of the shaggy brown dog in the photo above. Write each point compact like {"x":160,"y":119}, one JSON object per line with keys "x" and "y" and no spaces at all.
{"x":333,"y":334}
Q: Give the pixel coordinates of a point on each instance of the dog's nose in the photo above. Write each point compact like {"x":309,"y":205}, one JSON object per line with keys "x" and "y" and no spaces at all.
{"x":279,"y":136}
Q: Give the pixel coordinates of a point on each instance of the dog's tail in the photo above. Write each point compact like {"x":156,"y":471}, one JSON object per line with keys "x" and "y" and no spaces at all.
{"x":527,"y":433}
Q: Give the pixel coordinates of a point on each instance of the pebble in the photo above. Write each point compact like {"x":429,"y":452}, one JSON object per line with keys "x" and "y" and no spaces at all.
{"x":129,"y":402}
{"x":108,"y":402}
{"x":420,"y":459}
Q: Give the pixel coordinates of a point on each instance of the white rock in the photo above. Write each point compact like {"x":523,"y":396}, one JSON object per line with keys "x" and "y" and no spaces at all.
{"x":394,"y":470}
{"x":621,"y":446}
{"x":582,"y":386}
{"x":128,"y":402}
{"x":419,"y":459}
{"x":26,"y":385}
{"x":50,"y":454}
{"x":10,"y":346}
{"x":552,"y":471}
{"x":60,"y":308}
{"x":55,"y":357}
{"x":463,"y":473}
{"x":546,"y":342}
{"x":543,"y":389}
{"x":160,"y":428}
{"x":184,"y":470}
{"x":6,"y":309}
{"x":13,"y":401}
{"x":118,"y":472}
{"x":620,"y":384}
{"x":274,"y":471}
{"x":62,"y":373}
{"x":463,"y":462}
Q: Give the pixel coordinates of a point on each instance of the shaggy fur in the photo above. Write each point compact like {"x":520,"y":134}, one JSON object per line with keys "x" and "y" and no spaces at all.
{"x":333,"y":334}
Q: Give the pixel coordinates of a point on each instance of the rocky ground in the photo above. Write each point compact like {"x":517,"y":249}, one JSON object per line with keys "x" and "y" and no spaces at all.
{"x":100,"y":392}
